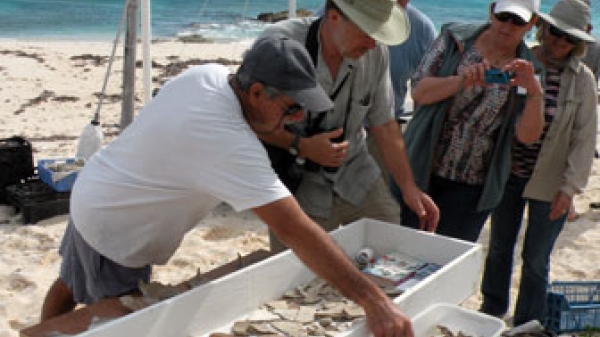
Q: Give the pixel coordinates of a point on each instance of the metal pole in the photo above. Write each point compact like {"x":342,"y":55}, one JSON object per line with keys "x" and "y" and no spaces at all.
{"x":146,"y":49}
{"x":129,"y":65}
{"x":292,"y":9}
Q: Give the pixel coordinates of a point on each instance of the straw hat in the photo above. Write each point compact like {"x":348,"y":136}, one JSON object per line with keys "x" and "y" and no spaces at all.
{"x":382,"y":20}
{"x":572,"y":17}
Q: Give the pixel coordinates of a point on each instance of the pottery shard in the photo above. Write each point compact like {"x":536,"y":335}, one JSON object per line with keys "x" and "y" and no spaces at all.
{"x":333,"y":310}
{"x":287,"y":314}
{"x":135,"y":303}
{"x":313,"y":289}
{"x":277,"y":305}
{"x":318,"y":283}
{"x":306,"y":314}
{"x":240,"y":328}
{"x":315,"y":330}
{"x":260,"y":329}
{"x":293,"y":293}
{"x":161,"y":291}
{"x":261,"y":315}
{"x":325,"y":321}
{"x":353,"y":310}
{"x":290,"y":329}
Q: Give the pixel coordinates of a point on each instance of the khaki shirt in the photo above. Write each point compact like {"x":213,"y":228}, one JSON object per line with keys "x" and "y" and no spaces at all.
{"x":368,"y":98}
{"x":565,"y":159}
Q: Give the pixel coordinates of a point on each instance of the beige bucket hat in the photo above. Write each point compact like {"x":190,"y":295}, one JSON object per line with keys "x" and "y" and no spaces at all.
{"x":572,"y":17}
{"x":382,"y":20}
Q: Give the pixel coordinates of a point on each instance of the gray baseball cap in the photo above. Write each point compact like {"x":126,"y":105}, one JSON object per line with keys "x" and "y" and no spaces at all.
{"x":284,"y":64}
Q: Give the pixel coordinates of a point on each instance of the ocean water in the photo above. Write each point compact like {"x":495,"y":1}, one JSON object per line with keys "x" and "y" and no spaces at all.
{"x":214,"y":19}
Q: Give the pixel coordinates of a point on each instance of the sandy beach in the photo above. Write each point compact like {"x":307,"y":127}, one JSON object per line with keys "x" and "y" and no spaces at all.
{"x":49,"y":93}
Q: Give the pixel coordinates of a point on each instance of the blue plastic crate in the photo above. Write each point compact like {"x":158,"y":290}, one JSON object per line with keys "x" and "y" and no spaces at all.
{"x":573,"y":306}
{"x":62,"y":185}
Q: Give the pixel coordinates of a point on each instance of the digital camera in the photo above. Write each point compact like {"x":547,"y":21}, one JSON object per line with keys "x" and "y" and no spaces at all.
{"x":498,"y":76}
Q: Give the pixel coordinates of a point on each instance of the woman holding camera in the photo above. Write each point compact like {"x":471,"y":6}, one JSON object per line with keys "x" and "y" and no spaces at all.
{"x":545,"y":174}
{"x":459,"y":139}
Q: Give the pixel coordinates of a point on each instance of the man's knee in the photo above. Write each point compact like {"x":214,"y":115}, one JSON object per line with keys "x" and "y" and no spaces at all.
{"x":59,"y":300}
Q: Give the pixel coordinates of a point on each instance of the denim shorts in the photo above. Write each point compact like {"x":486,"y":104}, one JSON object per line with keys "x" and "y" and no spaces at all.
{"x":91,"y":276}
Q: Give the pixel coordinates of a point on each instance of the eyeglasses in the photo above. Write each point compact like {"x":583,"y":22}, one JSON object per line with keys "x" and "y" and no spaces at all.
{"x":288,"y":110}
{"x":293,"y":109}
{"x":510,"y":17}
{"x":560,"y":34}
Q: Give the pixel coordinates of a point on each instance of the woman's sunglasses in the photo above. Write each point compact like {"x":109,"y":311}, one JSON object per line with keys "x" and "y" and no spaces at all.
{"x":510,"y":17}
{"x":560,"y":34}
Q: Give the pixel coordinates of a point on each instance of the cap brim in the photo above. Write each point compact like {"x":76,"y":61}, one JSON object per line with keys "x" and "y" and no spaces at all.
{"x":393,"y":31}
{"x":523,"y":13}
{"x":314,"y":99}
{"x":567,"y":28}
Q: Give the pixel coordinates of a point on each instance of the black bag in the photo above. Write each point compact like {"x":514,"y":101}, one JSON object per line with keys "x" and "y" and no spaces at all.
{"x":285,"y":165}
{"x":16,"y":163}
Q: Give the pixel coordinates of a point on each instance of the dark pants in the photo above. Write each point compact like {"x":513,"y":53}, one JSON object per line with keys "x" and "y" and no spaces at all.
{"x":457,"y":203}
{"x":538,"y":243}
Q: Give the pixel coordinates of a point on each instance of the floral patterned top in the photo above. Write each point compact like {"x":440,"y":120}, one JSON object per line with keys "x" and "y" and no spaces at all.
{"x":470,"y":130}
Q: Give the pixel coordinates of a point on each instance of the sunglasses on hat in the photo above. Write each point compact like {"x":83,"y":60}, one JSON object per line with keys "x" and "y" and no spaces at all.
{"x":560,"y":34}
{"x":510,"y":17}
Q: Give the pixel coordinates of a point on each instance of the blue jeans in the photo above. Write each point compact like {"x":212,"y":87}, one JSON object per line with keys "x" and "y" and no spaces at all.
{"x":538,"y":243}
{"x":457,"y":203}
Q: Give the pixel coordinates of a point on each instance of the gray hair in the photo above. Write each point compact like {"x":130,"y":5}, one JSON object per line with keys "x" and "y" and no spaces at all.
{"x":244,"y":81}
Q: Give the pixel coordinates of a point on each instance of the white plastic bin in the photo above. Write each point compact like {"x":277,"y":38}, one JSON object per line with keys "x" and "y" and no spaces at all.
{"x":455,"y":318}
{"x":214,"y":306}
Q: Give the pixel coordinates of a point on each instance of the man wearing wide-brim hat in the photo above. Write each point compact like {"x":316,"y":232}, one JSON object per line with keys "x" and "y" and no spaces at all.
{"x":341,"y":181}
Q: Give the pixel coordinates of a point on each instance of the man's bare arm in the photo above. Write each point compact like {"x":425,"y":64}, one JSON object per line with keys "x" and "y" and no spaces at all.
{"x":321,"y":254}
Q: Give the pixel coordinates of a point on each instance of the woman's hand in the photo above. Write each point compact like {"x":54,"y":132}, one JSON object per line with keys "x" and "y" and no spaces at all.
{"x":523,"y":75}
{"x":560,"y":205}
{"x":473,"y":74}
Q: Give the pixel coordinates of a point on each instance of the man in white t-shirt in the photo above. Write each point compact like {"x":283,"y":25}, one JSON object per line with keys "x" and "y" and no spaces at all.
{"x":192,"y":147}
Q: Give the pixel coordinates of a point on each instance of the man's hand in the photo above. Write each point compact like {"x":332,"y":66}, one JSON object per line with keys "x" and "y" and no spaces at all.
{"x":323,"y":149}
{"x":386,"y":320}
{"x":315,"y":247}
{"x":423,"y":206}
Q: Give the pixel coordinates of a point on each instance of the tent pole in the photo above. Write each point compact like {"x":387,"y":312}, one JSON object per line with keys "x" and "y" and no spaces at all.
{"x":146,"y":49}
{"x":292,"y":9}
{"x":129,"y":66}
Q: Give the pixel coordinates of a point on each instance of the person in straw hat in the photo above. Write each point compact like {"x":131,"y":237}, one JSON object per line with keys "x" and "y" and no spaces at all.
{"x":545,"y":174}
{"x":341,"y":181}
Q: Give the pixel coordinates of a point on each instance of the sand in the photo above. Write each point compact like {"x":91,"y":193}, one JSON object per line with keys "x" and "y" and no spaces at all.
{"x":49,"y":92}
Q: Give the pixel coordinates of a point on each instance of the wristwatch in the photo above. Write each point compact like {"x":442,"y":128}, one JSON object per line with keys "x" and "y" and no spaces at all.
{"x":293,"y":149}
